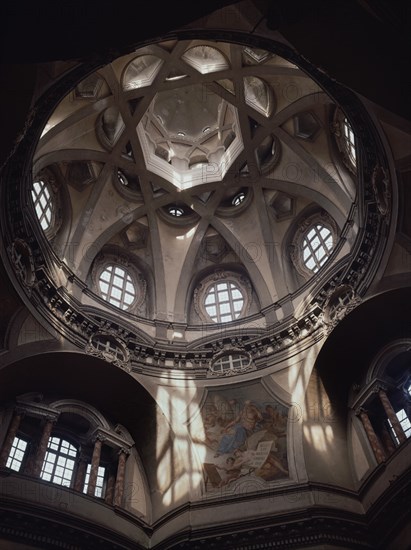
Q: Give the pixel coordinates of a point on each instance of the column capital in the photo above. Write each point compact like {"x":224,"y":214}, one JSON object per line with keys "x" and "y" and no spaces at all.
{"x":50,"y":417}
{"x":360,"y":410}
{"x":124,"y":450}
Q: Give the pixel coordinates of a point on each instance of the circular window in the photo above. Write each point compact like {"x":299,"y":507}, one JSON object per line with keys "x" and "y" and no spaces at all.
{"x":317,"y":246}
{"x":238,"y":199}
{"x":224,"y":301}
{"x":43,"y":204}
{"x":175,"y":211}
{"x":122,"y":178}
{"x":117,"y":287}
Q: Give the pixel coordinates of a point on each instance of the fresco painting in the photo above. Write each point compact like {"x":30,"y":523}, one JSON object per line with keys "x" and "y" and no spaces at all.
{"x":245,"y":435}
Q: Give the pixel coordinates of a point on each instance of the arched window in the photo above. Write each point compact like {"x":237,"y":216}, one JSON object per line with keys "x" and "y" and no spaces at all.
{"x":317,"y":246}
{"x":43,"y":204}
{"x":117,"y":286}
{"x":59,"y":462}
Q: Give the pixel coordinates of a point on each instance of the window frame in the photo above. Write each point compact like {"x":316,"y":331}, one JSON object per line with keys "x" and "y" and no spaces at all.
{"x":339,"y":126}
{"x":203,"y":288}
{"x":98,"y":487}
{"x":307,"y":245}
{"x":111,"y":257}
{"x":59,"y":454}
{"x":53,"y":203}
{"x":296,"y":247}
{"x":15,"y":448}
{"x":126,"y":279}
{"x":233,"y":369}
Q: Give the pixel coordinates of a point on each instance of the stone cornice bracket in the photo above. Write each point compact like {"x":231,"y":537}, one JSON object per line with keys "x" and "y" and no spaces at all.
{"x":381,"y":184}
{"x":112,"y":439}
{"x":369,"y":393}
{"x":359,"y":410}
{"x":37,"y":410}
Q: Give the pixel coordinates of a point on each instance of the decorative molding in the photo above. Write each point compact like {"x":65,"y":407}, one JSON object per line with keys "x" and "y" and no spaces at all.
{"x":23,"y":263}
{"x":380,"y":181}
{"x":37,"y":410}
{"x":229,"y":350}
{"x":341,"y":300}
{"x":110,"y":348}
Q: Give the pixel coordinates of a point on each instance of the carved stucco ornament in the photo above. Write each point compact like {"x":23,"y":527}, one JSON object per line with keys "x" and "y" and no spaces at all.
{"x":341,"y":300}
{"x":380,"y":182}
{"x":23,"y":263}
{"x":110,"y":348}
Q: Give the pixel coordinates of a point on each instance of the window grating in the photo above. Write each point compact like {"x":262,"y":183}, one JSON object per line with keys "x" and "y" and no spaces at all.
{"x":42,"y":203}
{"x":58,"y":465}
{"x":98,"y":491}
{"x":224,"y":302}
{"x":16,"y":455}
{"x":231,"y":363}
{"x":349,"y":139}
{"x":405,"y":424}
{"x":117,"y":287}
{"x":317,"y":247}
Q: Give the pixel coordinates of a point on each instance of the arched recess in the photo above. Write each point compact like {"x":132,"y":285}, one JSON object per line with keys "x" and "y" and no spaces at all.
{"x":352,"y":345}
{"x":339,"y":378}
{"x":78,"y":385}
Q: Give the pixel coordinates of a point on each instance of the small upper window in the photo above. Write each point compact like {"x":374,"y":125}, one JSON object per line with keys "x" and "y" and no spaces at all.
{"x":238,"y":199}
{"x":175,"y":211}
{"x":317,"y":246}
{"x":42,"y":203}
{"x":122,"y":178}
{"x":224,"y":302}
{"x":349,"y":139}
{"x":59,"y":462}
{"x":117,"y":286}
{"x":16,"y":455}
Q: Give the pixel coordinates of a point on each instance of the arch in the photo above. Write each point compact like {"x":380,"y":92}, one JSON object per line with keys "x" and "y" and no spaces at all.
{"x":82,"y":409}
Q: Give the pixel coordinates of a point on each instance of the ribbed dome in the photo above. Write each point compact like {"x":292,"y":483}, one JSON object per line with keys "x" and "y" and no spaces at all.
{"x":178,"y":172}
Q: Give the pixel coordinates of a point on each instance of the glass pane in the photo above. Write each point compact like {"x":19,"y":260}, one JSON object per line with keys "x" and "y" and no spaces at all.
{"x":225,"y":308}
